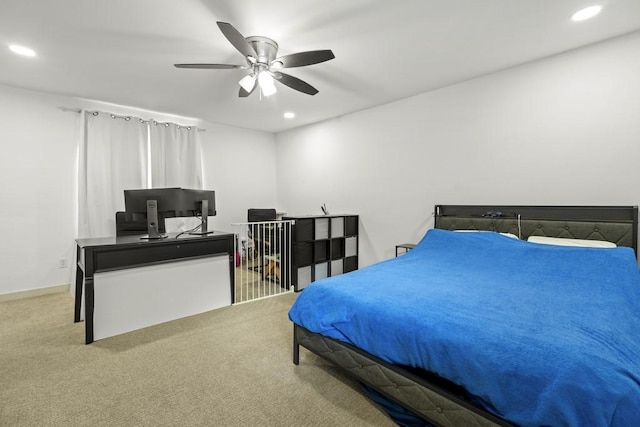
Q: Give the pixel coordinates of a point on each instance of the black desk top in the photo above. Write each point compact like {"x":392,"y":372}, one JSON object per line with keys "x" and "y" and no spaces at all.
{"x":136,"y":240}
{"x":288,"y":217}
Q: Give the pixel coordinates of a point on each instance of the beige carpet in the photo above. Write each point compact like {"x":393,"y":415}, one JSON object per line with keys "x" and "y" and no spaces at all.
{"x":228,"y":367}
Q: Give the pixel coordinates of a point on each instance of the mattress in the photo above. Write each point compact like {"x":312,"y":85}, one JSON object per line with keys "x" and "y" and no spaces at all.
{"x":537,"y":334}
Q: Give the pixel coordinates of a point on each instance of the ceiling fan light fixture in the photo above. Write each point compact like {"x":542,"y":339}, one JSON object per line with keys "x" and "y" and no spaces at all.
{"x":248,"y":82}
{"x":267,"y":85}
{"x":260,"y":55}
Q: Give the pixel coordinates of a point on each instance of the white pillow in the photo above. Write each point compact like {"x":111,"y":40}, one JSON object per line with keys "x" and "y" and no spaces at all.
{"x":559,"y":241}
{"x":513,"y":236}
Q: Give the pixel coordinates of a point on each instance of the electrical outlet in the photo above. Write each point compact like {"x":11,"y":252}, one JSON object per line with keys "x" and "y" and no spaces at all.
{"x":63,"y":263}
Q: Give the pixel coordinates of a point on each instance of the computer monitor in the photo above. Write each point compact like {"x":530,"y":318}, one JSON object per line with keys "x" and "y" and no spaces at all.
{"x":200,"y":203}
{"x":157,"y":204}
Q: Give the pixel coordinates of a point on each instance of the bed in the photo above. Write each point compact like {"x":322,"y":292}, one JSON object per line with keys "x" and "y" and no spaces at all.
{"x":489,"y":329}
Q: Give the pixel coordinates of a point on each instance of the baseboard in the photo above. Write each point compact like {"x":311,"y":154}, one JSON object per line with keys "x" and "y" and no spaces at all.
{"x":34,"y":292}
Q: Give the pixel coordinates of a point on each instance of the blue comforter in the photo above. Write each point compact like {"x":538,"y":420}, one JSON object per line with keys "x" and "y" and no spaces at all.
{"x":538,"y":334}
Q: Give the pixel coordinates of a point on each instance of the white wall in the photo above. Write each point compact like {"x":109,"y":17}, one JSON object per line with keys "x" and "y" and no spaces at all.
{"x":240,"y":165}
{"x":38,"y":183}
{"x":37,"y":189}
{"x":564,"y":130}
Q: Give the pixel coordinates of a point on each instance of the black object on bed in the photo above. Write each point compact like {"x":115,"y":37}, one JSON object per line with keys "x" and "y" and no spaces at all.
{"x":435,"y":399}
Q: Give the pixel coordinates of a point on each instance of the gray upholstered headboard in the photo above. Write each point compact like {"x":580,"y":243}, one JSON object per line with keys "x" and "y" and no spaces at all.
{"x":617,"y":224}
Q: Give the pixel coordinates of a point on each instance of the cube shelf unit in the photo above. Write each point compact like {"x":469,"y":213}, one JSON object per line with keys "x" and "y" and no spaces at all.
{"x":323,"y":246}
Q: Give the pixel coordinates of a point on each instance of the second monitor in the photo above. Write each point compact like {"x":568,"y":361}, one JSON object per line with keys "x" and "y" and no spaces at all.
{"x":200,"y":203}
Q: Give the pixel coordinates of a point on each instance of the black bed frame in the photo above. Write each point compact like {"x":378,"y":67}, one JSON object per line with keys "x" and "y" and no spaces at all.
{"x":617,"y":224}
{"x":427,"y":396}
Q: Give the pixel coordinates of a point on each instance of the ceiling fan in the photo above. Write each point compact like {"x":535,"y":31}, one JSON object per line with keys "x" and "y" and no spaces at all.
{"x":260,"y":55}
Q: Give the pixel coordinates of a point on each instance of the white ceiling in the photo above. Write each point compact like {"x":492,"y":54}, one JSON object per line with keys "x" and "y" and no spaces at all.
{"x":123,"y":51}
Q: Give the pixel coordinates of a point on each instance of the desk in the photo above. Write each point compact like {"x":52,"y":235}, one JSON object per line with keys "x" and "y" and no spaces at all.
{"x":405,"y":246}
{"x":108,"y":254}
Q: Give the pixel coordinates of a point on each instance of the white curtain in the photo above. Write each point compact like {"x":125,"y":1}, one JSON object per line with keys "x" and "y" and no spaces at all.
{"x":176,"y":156}
{"x":113,"y":157}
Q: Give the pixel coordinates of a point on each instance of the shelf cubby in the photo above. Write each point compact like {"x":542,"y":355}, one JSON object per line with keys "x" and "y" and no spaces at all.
{"x":323,"y":246}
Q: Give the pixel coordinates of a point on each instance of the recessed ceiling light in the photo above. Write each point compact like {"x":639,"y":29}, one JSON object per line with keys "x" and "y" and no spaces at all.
{"x":289,"y":115}
{"x":586,"y":13}
{"x":22,"y":50}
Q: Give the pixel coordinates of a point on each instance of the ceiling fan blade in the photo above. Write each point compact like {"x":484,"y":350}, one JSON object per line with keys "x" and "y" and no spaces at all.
{"x":212,"y":66}
{"x":236,"y":39}
{"x":295,"y":83}
{"x":302,"y":59}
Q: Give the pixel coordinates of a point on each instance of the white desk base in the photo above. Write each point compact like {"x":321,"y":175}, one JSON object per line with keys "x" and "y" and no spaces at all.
{"x":135,"y":298}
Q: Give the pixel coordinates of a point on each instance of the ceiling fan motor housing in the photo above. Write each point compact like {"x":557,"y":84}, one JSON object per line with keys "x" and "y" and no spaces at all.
{"x":266,"y":49}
